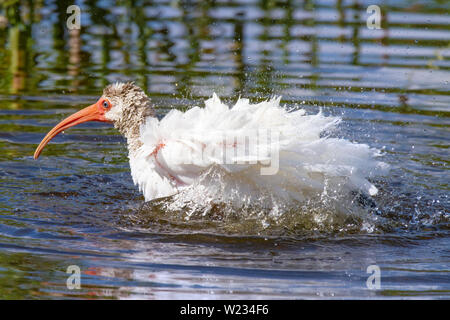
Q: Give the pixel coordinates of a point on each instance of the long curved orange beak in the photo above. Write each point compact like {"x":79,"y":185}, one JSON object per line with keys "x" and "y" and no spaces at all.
{"x":94,"y":112}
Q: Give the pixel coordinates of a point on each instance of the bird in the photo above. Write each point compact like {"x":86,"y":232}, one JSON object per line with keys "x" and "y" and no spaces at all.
{"x":244,"y":154}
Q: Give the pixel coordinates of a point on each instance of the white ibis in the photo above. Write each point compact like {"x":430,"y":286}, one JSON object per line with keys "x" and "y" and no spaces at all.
{"x":239,"y":153}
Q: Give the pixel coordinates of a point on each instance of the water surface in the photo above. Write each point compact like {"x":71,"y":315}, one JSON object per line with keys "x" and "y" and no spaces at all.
{"x":77,"y":204}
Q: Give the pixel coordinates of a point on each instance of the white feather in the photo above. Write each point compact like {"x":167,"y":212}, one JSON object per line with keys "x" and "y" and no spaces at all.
{"x":186,"y":151}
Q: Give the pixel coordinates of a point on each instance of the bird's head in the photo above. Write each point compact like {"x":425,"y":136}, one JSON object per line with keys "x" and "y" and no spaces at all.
{"x":123,"y":104}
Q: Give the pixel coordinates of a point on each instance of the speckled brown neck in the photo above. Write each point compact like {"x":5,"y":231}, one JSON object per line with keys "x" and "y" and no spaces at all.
{"x":131,"y":129}
{"x":136,"y":107}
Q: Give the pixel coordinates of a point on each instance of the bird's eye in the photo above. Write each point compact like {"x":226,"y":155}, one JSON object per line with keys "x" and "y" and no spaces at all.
{"x":105,"y":104}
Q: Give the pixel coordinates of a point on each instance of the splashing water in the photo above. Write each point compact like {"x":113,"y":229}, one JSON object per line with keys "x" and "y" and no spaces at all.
{"x":320,"y":185}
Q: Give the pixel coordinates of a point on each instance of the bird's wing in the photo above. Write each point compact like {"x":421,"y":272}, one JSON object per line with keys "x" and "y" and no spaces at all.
{"x":178,"y":148}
